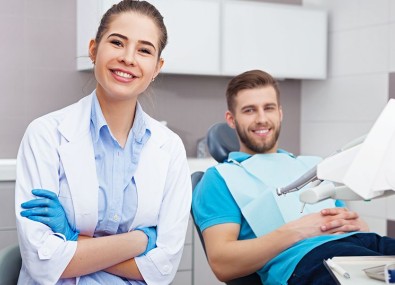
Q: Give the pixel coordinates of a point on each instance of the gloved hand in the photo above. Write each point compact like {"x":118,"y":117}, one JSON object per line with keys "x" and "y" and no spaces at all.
{"x":151,"y":234}
{"x":48,"y":210}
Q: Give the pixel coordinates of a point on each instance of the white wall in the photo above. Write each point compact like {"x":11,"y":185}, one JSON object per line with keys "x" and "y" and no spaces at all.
{"x":361,"y":54}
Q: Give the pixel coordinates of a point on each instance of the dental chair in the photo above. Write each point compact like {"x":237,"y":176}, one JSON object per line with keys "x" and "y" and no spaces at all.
{"x":221,"y":140}
{"x":10,"y":265}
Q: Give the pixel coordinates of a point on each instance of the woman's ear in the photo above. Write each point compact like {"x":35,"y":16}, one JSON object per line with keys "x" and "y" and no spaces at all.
{"x":92,"y":50}
{"x":159,"y":66}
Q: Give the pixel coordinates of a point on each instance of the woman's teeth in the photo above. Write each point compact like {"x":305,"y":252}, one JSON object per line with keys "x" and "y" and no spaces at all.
{"x":123,"y":74}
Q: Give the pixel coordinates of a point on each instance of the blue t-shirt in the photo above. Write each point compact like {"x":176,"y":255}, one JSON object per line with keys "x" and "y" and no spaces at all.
{"x":213,"y":204}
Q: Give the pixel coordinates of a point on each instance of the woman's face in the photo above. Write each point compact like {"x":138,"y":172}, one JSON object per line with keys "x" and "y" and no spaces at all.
{"x":126,"y":58}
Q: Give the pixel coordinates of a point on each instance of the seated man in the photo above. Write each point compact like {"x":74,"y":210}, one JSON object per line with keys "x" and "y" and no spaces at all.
{"x":246,"y":227}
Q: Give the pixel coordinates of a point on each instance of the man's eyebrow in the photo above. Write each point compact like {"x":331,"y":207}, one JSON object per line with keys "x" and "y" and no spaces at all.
{"x":126,"y":38}
{"x":247,"y":107}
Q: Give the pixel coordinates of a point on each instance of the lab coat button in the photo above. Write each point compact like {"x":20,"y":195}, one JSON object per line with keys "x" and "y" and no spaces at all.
{"x":166,"y":268}
{"x":116,"y":217}
{"x":45,"y":251}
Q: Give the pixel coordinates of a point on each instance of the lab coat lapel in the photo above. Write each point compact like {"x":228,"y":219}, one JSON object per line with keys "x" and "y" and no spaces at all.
{"x":78,"y":159}
{"x":150,"y":178}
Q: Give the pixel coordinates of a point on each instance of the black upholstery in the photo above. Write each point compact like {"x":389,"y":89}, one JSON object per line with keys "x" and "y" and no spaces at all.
{"x":10,"y":264}
{"x":196,"y":176}
{"x":221,"y":139}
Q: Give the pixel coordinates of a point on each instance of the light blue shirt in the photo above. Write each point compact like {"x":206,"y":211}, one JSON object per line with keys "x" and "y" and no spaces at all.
{"x":115,"y":167}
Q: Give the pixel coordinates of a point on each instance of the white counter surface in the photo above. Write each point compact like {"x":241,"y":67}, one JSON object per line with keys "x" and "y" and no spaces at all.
{"x":7,"y":169}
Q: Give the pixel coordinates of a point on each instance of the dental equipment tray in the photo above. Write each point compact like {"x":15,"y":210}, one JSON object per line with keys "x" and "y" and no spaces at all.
{"x":356,"y":265}
{"x":376,"y":272}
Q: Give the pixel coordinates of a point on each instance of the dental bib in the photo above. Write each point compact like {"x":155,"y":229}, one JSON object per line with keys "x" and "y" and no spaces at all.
{"x":253,"y":184}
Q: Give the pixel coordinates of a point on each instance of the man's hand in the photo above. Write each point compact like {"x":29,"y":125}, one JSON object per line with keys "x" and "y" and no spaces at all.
{"x":328,"y":221}
{"x":341,"y":220}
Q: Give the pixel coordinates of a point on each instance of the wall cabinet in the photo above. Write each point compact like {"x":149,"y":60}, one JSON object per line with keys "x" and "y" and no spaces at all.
{"x":287,"y":41}
{"x":227,"y":37}
{"x":193,"y":34}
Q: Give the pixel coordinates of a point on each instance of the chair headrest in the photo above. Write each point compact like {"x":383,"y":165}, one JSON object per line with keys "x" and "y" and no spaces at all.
{"x":221,"y":140}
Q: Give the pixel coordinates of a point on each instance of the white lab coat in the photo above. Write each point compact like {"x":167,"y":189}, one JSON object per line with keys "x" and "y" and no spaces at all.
{"x":56,"y":153}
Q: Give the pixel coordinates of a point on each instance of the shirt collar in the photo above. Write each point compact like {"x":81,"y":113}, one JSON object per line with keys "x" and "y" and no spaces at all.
{"x":97,"y":118}
{"x":139,"y":128}
{"x":140,"y":125}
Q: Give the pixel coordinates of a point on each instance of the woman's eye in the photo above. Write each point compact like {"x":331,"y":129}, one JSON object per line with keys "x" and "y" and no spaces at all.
{"x":116,"y":42}
{"x":145,"y":50}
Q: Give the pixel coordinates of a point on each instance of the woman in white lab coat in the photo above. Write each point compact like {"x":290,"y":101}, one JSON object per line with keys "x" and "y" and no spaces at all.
{"x":107,"y":202}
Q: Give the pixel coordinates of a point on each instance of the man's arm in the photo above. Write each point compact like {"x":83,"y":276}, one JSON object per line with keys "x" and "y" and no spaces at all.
{"x":230,"y":258}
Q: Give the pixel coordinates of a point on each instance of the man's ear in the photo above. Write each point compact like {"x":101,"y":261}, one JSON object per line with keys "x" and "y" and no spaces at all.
{"x":92,"y":50}
{"x":281,"y":113}
{"x":230,"y":120}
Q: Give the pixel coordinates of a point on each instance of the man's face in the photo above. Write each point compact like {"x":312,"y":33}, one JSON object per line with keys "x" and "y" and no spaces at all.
{"x":257,"y":119}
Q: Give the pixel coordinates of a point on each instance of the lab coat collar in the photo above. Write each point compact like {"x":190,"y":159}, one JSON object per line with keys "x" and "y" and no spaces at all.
{"x":76,"y":122}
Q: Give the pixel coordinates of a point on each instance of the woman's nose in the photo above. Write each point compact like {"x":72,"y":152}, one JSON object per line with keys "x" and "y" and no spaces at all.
{"x":128,"y":57}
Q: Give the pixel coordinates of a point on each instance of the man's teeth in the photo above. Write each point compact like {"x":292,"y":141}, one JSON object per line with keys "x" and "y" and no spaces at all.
{"x":261,"y":131}
{"x":123,"y":74}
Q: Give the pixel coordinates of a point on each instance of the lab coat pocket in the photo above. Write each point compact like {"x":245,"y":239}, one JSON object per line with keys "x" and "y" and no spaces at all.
{"x":149,"y":195}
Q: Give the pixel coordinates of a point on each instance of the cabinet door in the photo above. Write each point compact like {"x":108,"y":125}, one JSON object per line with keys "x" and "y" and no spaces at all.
{"x":193,"y":28}
{"x":89,"y":13}
{"x":286,"y":41}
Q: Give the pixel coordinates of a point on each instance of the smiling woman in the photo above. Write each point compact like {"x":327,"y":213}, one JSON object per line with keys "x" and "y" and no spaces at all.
{"x":126,"y":58}
{"x":103,"y":190}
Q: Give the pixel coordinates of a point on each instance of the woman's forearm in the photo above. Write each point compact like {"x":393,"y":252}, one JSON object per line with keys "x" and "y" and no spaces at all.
{"x":95,"y":254}
{"x":127,"y":269}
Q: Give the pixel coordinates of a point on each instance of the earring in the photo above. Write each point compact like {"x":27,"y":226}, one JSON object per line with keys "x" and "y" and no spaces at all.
{"x":93,"y":62}
{"x":153,"y":79}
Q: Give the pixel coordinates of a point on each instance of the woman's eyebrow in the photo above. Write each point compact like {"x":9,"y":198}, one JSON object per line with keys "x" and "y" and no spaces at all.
{"x":147,"y":43}
{"x":126,"y":38}
{"x":118,"y":35}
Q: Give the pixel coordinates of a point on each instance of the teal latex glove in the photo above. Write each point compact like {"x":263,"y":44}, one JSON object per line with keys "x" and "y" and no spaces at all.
{"x":47,"y":209}
{"x":151,"y":234}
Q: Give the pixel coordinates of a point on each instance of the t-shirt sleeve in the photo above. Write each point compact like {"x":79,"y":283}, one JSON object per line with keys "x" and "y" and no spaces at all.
{"x":212,"y":203}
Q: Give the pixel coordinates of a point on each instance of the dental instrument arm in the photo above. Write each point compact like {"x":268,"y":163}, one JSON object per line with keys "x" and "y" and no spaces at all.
{"x":363,"y":169}
{"x":311,"y":175}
